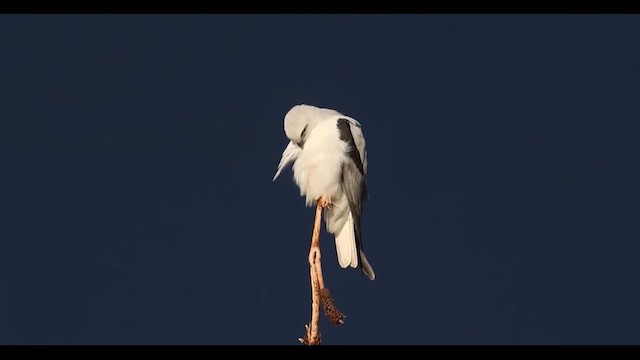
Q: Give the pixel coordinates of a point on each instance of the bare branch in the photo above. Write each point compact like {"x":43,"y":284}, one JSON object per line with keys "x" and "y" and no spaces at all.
{"x":319,"y":294}
{"x":312,"y":336}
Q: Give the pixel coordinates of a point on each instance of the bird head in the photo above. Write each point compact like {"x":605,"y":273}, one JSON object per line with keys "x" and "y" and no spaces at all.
{"x":300,"y":121}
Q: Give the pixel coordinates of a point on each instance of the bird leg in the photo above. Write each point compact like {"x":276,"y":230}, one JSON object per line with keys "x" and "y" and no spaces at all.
{"x":324,"y":201}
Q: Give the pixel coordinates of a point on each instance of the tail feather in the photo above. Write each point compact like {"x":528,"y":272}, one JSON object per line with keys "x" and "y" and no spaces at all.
{"x":346,"y":244}
{"x":347,"y":249}
{"x":366,"y":267}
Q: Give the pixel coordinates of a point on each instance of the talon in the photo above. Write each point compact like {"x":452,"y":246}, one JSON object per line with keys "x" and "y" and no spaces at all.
{"x":324,"y":201}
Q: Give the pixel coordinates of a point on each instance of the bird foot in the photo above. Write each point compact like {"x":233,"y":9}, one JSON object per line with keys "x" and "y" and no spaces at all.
{"x":324,"y":201}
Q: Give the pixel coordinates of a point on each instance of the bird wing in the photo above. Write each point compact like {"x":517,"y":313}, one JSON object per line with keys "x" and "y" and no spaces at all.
{"x":354,"y":183}
{"x":354,"y":172}
{"x":353,"y":178}
{"x":290,"y":154}
{"x":358,"y":139}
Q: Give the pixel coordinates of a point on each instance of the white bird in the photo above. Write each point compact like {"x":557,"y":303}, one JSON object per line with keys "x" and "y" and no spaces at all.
{"x":329,"y":159}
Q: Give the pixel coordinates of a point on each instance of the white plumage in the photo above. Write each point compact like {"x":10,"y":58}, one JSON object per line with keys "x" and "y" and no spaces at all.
{"x":329,"y":159}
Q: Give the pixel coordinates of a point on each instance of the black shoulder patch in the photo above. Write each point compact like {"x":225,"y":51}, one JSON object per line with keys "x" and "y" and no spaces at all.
{"x":345,"y":135}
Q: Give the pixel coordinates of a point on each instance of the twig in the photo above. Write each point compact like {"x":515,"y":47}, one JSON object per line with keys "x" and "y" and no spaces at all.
{"x":319,"y":294}
{"x":312,"y":336}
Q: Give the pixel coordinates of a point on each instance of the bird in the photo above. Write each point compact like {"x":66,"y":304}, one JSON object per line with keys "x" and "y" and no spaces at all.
{"x":327,"y":150}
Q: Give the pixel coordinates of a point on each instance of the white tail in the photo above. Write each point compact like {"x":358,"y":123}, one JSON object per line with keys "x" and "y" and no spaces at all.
{"x":346,"y":244}
{"x":348,"y":251}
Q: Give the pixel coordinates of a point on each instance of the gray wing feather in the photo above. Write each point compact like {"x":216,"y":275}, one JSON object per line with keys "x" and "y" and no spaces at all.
{"x":353,"y":176}
{"x":354,"y":172}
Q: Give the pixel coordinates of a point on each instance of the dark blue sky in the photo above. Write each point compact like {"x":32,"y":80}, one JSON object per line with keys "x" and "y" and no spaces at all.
{"x":138,"y":152}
